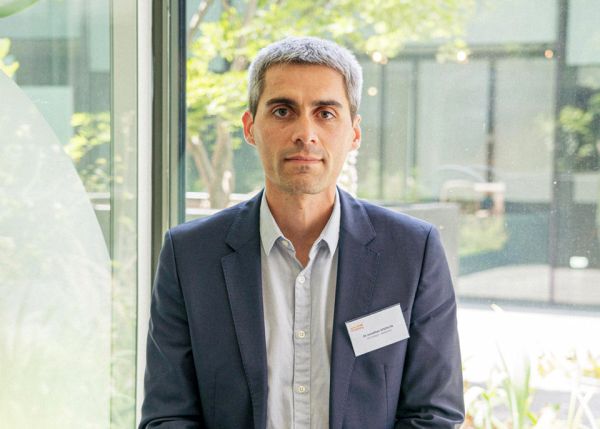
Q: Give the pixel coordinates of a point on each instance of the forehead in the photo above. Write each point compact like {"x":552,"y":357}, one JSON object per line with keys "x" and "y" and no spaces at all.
{"x":304,"y":82}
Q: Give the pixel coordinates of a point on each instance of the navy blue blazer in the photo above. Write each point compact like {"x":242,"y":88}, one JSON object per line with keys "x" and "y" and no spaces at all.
{"x":206,"y":354}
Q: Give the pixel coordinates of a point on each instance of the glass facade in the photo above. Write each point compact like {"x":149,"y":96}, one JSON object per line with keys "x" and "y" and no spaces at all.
{"x":68,"y":218}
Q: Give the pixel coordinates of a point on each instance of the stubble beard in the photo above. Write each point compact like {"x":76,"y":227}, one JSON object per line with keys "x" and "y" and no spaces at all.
{"x":303,"y":181}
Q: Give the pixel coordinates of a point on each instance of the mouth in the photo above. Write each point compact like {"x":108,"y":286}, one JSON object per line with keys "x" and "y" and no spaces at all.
{"x":302,"y":159}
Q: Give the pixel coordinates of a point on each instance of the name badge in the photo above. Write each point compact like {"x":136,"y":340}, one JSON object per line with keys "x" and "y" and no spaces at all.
{"x":377,"y":330}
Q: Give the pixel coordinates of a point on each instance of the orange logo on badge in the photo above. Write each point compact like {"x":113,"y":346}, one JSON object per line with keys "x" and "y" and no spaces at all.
{"x":357,"y":327}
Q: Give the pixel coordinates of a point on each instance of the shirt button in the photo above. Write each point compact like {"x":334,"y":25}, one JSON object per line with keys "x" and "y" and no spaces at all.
{"x":301,"y":389}
{"x":301,"y":334}
{"x":301,"y":279}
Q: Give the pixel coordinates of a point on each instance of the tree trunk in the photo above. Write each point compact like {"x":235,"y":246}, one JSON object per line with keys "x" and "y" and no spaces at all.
{"x":220,"y":186}
{"x":219,"y":175}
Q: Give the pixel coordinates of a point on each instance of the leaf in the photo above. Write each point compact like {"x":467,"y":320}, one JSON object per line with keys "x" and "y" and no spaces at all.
{"x":9,"y":69}
{"x":575,"y":120}
{"x":11,"y":7}
{"x":4,"y":47}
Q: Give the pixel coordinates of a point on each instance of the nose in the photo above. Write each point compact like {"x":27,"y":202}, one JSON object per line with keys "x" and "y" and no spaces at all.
{"x":304,"y":131}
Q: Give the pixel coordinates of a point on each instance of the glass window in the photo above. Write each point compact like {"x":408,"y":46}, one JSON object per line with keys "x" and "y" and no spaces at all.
{"x":68,"y":224}
{"x":450,"y":136}
{"x":493,"y":137}
{"x":513,"y":21}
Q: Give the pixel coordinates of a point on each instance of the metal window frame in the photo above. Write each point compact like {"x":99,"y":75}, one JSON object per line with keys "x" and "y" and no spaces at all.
{"x":161,"y":132}
{"x":144,"y":236}
{"x":168,"y":119}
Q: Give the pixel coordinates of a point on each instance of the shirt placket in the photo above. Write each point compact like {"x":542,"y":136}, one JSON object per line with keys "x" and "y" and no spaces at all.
{"x":302,"y":357}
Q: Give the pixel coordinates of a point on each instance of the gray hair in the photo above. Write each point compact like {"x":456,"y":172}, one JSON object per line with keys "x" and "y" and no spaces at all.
{"x":305,"y":50}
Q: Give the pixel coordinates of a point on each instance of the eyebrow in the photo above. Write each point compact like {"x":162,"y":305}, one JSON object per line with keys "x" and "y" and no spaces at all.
{"x":290,"y":102}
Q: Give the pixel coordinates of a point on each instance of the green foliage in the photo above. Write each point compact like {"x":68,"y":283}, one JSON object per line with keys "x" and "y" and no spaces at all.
{"x":582,"y":129}
{"x":89,"y":148}
{"x":592,"y":369}
{"x":480,"y":403}
{"x":10,"y":7}
{"x":481,"y":234}
{"x":575,"y":120}
{"x":519,"y":393}
{"x":11,"y":67}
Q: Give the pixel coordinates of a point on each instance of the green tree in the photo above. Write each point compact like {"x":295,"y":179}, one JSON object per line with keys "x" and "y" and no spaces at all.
{"x":220,"y":50}
{"x":89,"y":148}
{"x":582,"y":130}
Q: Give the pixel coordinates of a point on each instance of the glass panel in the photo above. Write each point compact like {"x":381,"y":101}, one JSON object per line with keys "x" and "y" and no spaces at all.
{"x":532,"y":21}
{"x":449,"y":137}
{"x":583,"y":37}
{"x":576,"y":277}
{"x":68,"y":227}
{"x":505,"y":254}
{"x":369,"y":161}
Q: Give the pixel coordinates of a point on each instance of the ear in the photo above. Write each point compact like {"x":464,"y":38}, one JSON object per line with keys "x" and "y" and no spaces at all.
{"x":357,"y":132}
{"x":248,"y":122}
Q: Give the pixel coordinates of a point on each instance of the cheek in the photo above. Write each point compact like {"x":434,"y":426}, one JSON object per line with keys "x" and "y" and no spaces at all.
{"x":266,"y":155}
{"x":343,"y":145}
{"x":274,"y":131}
{"x":268,"y":138}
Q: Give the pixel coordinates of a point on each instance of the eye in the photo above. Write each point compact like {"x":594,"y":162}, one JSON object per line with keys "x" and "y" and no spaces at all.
{"x":326,"y":114}
{"x":281,"y":112}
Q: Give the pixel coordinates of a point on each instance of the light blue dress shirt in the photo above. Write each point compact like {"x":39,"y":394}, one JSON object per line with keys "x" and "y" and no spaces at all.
{"x":298,"y":308}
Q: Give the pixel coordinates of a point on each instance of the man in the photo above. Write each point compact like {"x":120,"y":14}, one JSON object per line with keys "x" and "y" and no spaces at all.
{"x":303,"y":307}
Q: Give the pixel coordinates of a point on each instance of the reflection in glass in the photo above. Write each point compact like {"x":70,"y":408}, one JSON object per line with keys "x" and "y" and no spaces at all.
{"x":55,"y":270}
{"x":68,"y":225}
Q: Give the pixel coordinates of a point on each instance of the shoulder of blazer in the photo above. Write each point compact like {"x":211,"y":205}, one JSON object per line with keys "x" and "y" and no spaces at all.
{"x":212,"y":232}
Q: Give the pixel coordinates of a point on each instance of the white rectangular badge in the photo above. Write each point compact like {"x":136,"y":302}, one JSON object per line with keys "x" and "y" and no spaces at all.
{"x":377,"y":330}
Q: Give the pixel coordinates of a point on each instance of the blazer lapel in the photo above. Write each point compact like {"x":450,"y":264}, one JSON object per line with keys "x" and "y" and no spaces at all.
{"x":357,"y":273}
{"x":241,"y":270}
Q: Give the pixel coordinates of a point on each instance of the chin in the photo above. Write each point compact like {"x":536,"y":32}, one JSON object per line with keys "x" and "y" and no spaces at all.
{"x":304,"y":187}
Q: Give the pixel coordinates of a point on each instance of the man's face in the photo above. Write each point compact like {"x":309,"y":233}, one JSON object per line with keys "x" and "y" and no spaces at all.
{"x":302,"y":129}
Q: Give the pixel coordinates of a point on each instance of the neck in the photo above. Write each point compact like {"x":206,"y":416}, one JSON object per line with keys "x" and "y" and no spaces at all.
{"x":301,"y":217}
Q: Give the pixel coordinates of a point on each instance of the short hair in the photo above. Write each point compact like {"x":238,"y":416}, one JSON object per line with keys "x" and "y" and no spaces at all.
{"x":305,"y":50}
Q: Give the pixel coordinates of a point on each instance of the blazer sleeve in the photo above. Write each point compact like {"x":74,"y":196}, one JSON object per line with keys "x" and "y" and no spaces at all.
{"x":431,"y":393}
{"x":171,"y":398}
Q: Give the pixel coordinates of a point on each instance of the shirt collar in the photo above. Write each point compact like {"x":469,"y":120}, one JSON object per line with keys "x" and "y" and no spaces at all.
{"x":270,"y":232}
